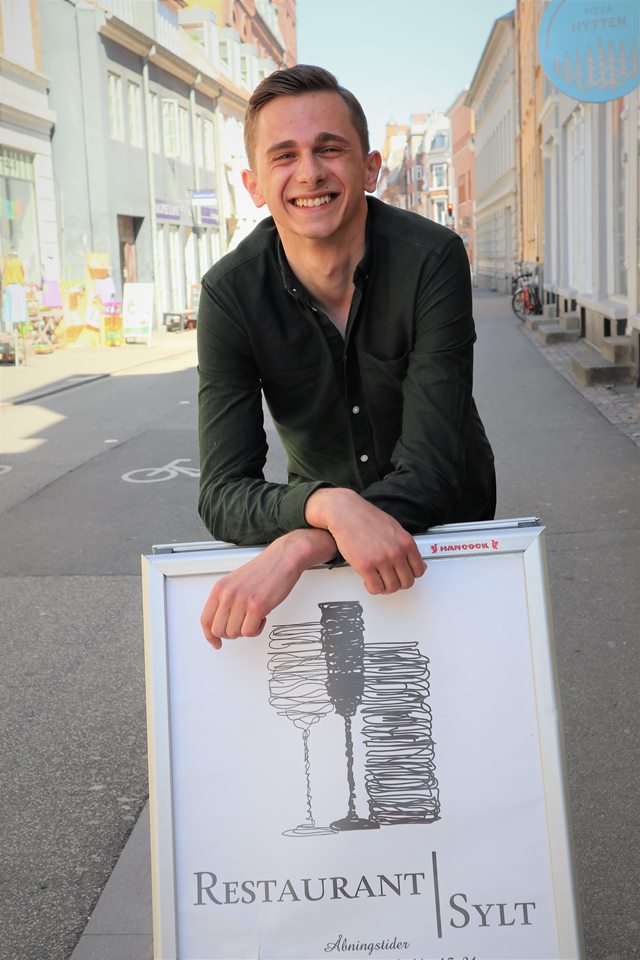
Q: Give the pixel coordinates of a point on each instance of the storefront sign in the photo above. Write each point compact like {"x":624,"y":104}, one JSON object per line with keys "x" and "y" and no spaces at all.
{"x":374,"y":776}
{"x":137,"y":311}
{"x":167,"y":210}
{"x":591,"y":51}
{"x":210,"y":216}
{"x":200,"y":198}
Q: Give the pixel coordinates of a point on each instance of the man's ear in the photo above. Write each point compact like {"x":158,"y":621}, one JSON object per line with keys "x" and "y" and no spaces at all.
{"x":374,"y":162}
{"x":250,"y":182}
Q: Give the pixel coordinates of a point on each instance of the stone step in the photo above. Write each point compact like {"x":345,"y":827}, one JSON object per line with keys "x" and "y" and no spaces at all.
{"x":534,"y":323}
{"x":591,"y":369}
{"x":569,"y":321}
{"x":551,"y":311}
{"x":616,"y":349}
{"x":552,"y":333}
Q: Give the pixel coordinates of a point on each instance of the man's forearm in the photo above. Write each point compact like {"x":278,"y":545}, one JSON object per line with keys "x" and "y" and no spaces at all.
{"x":370,"y":540}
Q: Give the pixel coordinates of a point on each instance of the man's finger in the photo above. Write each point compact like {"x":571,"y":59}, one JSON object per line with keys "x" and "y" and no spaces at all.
{"x":416,"y":562}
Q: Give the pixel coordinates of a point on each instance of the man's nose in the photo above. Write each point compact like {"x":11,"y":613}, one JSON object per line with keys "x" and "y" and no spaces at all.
{"x":310,"y":168}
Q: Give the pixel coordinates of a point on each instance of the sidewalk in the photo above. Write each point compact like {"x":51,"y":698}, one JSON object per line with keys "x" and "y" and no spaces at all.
{"x":69,"y":367}
{"x":525,"y":407}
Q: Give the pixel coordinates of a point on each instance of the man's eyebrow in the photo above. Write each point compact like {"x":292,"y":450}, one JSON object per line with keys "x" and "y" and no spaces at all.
{"x":324,"y":137}
{"x":283,"y":145}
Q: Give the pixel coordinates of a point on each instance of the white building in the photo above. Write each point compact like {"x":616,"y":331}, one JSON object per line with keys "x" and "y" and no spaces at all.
{"x":492,"y":97}
{"x":591,"y":176}
{"x":28,"y":222}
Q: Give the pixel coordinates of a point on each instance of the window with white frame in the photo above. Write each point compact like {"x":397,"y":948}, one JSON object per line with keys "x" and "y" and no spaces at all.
{"x":134,"y":107}
{"x":439,"y":176}
{"x":244,"y":70}
{"x":154,"y":126}
{"x":439,"y":211}
{"x":170,"y":134}
{"x":225,"y":55}
{"x":116,"y":119}
{"x":208,"y":145}
{"x":185,"y":134}
{"x":198,"y":141}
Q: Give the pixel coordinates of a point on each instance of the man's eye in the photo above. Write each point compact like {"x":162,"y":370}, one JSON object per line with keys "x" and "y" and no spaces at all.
{"x":330,"y":150}
{"x":283,"y":156}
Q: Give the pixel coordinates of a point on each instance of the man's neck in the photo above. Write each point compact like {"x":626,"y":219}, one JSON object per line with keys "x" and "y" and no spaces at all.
{"x":326,"y":269}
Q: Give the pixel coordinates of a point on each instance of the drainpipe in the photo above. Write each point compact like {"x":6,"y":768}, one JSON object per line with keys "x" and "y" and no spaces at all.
{"x":196,"y":225}
{"x":151,"y":183}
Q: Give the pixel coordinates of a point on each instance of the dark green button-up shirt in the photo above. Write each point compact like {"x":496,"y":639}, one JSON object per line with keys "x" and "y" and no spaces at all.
{"x":387,"y":410}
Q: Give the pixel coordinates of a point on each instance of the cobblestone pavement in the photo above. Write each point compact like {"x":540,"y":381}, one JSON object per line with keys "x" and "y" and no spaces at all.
{"x":619,"y":405}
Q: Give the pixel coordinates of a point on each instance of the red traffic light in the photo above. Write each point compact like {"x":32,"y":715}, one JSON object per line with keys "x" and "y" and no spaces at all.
{"x":450,"y":208}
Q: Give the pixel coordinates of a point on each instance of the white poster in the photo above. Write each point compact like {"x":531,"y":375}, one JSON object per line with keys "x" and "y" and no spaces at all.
{"x":137,"y":311}
{"x":373,"y":776}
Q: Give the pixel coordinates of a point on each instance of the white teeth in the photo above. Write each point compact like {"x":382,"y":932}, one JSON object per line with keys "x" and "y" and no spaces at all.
{"x":317,"y":202}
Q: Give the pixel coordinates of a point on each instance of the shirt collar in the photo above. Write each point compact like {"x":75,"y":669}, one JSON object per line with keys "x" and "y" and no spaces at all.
{"x":297,"y":290}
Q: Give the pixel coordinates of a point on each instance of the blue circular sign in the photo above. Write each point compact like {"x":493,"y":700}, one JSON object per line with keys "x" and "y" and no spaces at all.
{"x":590,"y":50}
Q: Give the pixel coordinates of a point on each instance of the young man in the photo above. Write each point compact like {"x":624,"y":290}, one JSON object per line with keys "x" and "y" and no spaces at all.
{"x":354,"y":320}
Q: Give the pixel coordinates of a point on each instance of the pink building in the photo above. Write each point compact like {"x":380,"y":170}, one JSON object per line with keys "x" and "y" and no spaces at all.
{"x":463,"y":172}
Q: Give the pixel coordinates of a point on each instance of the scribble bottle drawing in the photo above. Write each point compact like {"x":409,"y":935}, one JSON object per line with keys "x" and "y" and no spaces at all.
{"x":399,"y":770}
{"x":343,"y":644}
{"x":298,"y":691}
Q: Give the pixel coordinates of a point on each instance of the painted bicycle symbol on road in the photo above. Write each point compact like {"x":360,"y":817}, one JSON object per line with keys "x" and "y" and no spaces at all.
{"x":158,"y":474}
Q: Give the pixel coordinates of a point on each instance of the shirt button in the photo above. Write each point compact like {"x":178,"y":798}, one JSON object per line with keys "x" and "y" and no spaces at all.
{"x":364,"y":458}
{"x":355,"y":409}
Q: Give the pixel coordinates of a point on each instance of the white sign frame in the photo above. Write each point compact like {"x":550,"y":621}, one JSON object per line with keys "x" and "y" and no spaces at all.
{"x":522,"y":539}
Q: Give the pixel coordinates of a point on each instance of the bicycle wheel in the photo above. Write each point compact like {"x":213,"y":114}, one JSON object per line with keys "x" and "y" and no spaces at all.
{"x":519,"y":304}
{"x":149,"y":475}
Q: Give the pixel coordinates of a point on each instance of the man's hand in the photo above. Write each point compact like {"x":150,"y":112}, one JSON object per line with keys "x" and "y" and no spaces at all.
{"x":239,"y":602}
{"x":372,"y":542}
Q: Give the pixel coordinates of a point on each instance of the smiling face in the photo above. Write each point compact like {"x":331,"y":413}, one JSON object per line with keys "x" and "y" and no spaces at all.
{"x":310,"y":169}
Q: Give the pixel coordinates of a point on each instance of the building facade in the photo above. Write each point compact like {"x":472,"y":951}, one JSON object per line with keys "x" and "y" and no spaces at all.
{"x":532,"y":85}
{"x":492,"y":97}
{"x":28,"y":220}
{"x":148,"y":147}
{"x":462,"y":191}
{"x":436,"y":158}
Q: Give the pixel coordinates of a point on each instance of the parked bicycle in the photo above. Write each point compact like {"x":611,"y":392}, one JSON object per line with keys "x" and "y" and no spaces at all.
{"x":526,"y":298}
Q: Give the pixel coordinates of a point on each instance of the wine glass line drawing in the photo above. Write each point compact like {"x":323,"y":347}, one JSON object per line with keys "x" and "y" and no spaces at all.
{"x":298,"y":691}
{"x":317,"y":668}
{"x":343,"y":644}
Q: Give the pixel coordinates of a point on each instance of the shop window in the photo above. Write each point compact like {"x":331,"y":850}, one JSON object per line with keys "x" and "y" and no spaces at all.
{"x":18,"y":211}
{"x":618,"y":155}
{"x":160,"y":269}
{"x":176,"y":286}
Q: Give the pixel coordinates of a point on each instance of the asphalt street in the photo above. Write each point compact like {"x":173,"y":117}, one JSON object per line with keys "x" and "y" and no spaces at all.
{"x":75,"y":518}
{"x":72,"y":749}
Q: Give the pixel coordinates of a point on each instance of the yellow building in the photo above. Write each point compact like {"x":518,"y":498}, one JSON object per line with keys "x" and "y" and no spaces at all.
{"x":530,"y":208}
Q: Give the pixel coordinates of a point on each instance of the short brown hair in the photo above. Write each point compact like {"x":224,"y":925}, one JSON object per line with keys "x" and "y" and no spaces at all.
{"x":291,"y":82}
